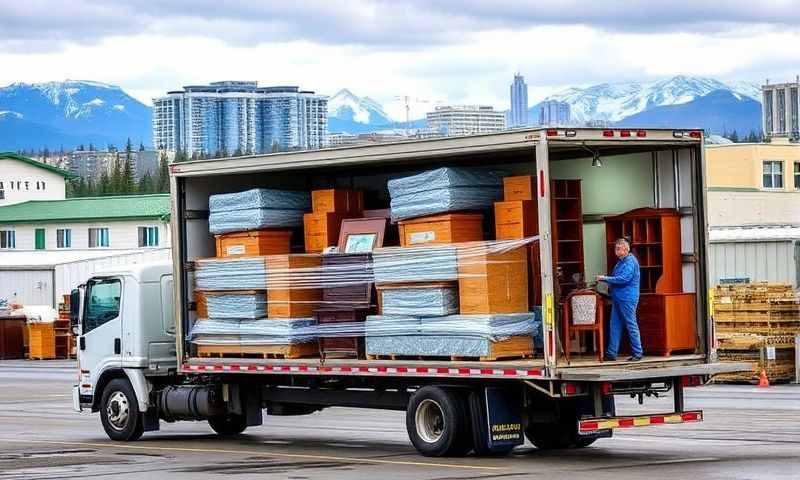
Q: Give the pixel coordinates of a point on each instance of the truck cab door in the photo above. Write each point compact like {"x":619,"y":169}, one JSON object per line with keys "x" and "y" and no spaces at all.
{"x":100,"y":342}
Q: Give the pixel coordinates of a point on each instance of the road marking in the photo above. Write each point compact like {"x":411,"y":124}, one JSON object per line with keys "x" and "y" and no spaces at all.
{"x":257,"y":452}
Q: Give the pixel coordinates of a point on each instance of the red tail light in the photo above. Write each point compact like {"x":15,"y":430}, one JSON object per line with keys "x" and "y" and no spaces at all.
{"x":641,"y":133}
{"x":692,"y":380}
{"x":608,"y":133}
{"x":607,"y":388}
{"x":625,"y":133}
{"x":552,"y":132}
{"x":695,"y":134}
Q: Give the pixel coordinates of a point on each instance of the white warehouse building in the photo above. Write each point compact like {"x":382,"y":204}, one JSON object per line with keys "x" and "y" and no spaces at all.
{"x":23,"y":179}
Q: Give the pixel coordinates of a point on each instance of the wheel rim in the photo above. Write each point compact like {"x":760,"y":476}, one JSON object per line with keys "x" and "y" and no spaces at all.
{"x":118,"y":410}
{"x":429,"y":420}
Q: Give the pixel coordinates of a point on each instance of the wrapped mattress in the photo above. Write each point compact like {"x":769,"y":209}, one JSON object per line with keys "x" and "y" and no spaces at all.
{"x":257,"y":208}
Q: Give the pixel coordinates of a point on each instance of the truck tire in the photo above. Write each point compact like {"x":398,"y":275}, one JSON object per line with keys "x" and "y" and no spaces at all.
{"x":119,"y":411}
{"x":438,"y":423}
{"x":228,"y":425}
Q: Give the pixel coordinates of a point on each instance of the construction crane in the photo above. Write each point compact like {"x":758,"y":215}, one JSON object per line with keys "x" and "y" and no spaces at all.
{"x":407,"y":99}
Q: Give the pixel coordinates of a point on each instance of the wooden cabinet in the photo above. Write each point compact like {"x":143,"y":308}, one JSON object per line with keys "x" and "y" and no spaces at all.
{"x":339,"y":200}
{"x":522,"y":187}
{"x":12,"y":335}
{"x":667,"y":323}
{"x":348,"y":269}
{"x":492,"y":282}
{"x":288,"y":279}
{"x":515,"y":219}
{"x":41,"y":341}
{"x":321,"y":230}
{"x":446,"y":228}
{"x":254,"y":243}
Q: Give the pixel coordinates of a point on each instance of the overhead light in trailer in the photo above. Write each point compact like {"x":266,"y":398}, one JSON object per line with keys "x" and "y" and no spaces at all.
{"x":677,"y":133}
{"x":596,"y":162}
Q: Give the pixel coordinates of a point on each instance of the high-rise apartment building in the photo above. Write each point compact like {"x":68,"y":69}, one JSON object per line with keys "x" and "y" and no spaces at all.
{"x":519,"y":102}
{"x":239,"y":117}
{"x":781,"y":107}
{"x":554,"y":113}
{"x":466,"y":120}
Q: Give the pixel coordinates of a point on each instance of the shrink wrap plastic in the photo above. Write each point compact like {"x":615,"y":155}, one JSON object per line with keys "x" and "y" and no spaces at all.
{"x":420,"y":302}
{"x":237,"y":305}
{"x":444,"y":190}
{"x":257,"y":208}
{"x":253,"y":332}
{"x":240,"y":273}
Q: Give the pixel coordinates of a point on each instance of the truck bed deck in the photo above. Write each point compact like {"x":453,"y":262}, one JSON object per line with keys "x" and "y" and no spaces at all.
{"x":579,"y":369}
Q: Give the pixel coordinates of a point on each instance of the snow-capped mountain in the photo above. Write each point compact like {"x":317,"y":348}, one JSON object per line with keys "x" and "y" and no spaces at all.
{"x":347,"y":106}
{"x":85,"y":111}
{"x":616,"y":101}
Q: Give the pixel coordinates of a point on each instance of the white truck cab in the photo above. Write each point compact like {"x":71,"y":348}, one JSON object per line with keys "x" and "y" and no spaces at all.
{"x":125,"y":322}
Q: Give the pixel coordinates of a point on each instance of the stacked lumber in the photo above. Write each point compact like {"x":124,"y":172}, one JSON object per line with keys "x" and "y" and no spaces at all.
{"x":757,"y":323}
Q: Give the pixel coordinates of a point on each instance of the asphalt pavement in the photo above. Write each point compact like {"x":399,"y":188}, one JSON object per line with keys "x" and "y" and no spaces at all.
{"x":748,"y":433}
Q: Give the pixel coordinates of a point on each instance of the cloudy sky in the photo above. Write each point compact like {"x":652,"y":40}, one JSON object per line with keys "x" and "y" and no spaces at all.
{"x":461,"y":51}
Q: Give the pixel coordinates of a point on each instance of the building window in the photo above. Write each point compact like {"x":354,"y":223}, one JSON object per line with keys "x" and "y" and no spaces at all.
{"x":64,"y":238}
{"x":39,"y":239}
{"x":797,"y":175}
{"x":98,"y":237}
{"x":148,"y":236}
{"x":8,"y":239}
{"x":773,"y":174}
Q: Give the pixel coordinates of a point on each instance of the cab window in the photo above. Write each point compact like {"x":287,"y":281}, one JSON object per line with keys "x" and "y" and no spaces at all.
{"x":102,"y":303}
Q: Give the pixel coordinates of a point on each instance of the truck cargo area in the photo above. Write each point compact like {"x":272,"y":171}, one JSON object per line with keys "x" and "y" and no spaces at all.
{"x":586,"y":181}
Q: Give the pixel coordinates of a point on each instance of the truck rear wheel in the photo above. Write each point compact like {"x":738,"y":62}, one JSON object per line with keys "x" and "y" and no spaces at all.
{"x":119,"y":411}
{"x":228,"y":425}
{"x":437,"y":422}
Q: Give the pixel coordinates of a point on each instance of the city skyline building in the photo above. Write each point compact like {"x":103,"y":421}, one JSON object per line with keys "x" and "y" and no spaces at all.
{"x":454,"y":120}
{"x":239,"y":117}
{"x":781,"y":108}
{"x":554,"y":113}
{"x":519,"y":102}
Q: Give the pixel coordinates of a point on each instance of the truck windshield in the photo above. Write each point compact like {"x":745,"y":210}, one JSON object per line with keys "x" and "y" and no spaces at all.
{"x":102,"y":303}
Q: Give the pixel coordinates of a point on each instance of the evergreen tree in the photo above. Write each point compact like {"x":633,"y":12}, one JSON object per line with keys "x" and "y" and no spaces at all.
{"x":127,"y":185}
{"x":141,"y":147}
{"x":162,"y":183}
{"x":145,"y":183}
{"x":104,"y":185}
{"x":91,"y":189}
{"x":734,"y":137}
{"x":115,"y":182}
{"x":91,"y":147}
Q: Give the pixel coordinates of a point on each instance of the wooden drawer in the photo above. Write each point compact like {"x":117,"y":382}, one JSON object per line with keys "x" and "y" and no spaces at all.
{"x":286,"y":274}
{"x":321,"y":230}
{"x":352,"y":266}
{"x":515,"y":219}
{"x":447,"y":228}
{"x":492,"y":282}
{"x":339,"y":200}
{"x":254,"y":243}
{"x":667,"y":323}
{"x":522,"y":187}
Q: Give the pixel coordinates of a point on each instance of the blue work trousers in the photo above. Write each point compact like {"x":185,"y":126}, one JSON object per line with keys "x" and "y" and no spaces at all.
{"x":623,"y":317}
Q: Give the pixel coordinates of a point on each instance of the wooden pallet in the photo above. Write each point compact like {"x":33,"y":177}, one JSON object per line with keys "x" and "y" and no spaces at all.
{"x":296,"y":350}
{"x":513,"y":348}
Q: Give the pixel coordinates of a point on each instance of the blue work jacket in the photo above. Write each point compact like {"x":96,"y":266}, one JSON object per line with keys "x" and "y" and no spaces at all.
{"x":624,"y":280}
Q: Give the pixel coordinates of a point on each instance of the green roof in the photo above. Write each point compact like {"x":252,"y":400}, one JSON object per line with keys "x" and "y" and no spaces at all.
{"x":30,"y":161}
{"x":88,"y":209}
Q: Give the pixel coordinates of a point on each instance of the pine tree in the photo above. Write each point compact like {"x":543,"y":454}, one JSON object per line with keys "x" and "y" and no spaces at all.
{"x":90,"y":190}
{"x":115,"y":182}
{"x":91,"y":147}
{"x":104,"y":185}
{"x":734,"y":137}
{"x":145,"y":184}
{"x":162,"y":183}
{"x":128,"y":184}
{"x":141,"y":147}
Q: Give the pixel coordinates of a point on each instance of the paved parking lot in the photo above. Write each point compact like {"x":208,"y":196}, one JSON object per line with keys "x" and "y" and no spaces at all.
{"x":749,"y":433}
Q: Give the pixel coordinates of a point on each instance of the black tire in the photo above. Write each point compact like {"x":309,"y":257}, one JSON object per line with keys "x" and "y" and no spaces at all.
{"x":437,"y":422}
{"x":228,"y":425}
{"x":119,"y":411}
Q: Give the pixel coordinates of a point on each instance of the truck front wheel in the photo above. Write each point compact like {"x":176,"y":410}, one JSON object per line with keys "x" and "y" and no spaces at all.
{"x":119,"y":411}
{"x":228,"y":425}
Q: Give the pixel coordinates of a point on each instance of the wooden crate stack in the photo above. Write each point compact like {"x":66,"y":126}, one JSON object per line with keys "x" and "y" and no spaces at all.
{"x":754,"y":322}
{"x":64,"y":343}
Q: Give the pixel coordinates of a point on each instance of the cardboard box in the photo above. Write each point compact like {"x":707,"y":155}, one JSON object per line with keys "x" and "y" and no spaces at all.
{"x":254,"y":243}
{"x":446,"y":228}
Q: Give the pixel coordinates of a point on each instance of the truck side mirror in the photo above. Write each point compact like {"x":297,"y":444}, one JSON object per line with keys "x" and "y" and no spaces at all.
{"x":74,"y":311}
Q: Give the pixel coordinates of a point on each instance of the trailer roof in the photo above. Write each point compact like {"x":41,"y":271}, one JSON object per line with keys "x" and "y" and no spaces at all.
{"x":611,"y":140}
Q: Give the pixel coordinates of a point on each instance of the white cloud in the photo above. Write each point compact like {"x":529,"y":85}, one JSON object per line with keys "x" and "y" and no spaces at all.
{"x":474,"y":65}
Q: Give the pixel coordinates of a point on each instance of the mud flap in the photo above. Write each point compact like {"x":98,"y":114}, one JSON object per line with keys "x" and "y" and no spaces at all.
{"x":496,"y":420}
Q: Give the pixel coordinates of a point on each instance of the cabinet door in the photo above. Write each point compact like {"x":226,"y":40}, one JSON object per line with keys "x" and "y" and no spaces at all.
{"x":652,"y":325}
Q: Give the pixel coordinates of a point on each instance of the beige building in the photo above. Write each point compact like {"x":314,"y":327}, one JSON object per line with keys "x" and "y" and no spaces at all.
{"x":753,"y":184}
{"x":466,"y":120}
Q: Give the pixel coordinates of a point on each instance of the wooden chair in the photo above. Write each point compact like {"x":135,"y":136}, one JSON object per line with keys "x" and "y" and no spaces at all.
{"x":582,"y":311}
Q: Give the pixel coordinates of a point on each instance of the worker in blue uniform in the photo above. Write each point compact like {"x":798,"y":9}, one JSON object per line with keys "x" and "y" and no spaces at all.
{"x":624,"y":283}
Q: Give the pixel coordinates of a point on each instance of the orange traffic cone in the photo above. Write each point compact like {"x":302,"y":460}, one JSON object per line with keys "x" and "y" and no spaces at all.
{"x":763,"y":381}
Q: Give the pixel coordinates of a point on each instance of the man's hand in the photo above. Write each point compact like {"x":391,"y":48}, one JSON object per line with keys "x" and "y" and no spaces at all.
{"x":600,"y":278}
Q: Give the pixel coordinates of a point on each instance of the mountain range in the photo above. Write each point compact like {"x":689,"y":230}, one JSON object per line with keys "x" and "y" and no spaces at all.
{"x":74,"y":112}
{"x":69,"y":113}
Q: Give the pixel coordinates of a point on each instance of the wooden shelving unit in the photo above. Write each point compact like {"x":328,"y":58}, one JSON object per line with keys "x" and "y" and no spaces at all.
{"x":567,"y":219}
{"x":666,"y":314}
